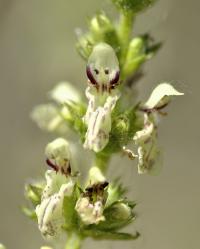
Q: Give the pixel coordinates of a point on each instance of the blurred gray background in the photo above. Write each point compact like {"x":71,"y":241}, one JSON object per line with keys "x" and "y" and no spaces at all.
{"x":36,"y":51}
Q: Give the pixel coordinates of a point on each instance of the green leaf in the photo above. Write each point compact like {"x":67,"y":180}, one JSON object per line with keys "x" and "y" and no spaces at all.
{"x":133,"y":5}
{"x":151,"y":47}
{"x":113,"y":220}
{"x":101,"y":235}
{"x":115,"y":193}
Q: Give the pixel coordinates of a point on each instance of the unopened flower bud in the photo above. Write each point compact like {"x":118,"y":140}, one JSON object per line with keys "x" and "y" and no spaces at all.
{"x":121,"y":211}
{"x":85,"y":45}
{"x":135,"y":56}
{"x":103,"y":30}
{"x":99,"y":23}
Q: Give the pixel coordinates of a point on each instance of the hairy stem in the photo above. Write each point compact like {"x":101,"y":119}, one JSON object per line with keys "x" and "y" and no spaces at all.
{"x":124,"y":32}
{"x":101,"y":161}
{"x":74,"y":241}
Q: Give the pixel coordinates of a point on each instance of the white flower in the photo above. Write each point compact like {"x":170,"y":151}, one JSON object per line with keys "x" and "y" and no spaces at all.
{"x":160,"y":96}
{"x":149,"y":155}
{"x":90,"y":213}
{"x":103,"y":75}
{"x":103,"y":68}
{"x":50,"y":211}
{"x":47,"y":117}
{"x":90,"y":205}
{"x":64,"y":92}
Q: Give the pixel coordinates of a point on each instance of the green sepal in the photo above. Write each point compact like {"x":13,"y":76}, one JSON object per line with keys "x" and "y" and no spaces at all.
{"x":114,"y":220}
{"x":85,"y":45}
{"x":77,"y":111}
{"x":30,"y":213}
{"x":116,"y":192}
{"x":71,"y":217}
{"x":103,"y":30}
{"x":133,"y":5}
{"x":33,"y":193}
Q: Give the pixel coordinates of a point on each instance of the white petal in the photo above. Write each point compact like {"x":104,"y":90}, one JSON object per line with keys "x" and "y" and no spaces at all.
{"x":50,"y":211}
{"x":159,"y":93}
{"x":47,"y":117}
{"x":149,"y":159}
{"x":103,"y":58}
{"x":96,"y":176}
{"x":143,"y":135}
{"x":59,"y":151}
{"x":98,"y":119}
{"x":88,"y":212}
{"x":99,"y":126}
{"x":54,"y":182}
{"x":64,"y":92}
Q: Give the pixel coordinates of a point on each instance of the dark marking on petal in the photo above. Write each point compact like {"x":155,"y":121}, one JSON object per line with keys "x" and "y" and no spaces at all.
{"x":53,"y":166}
{"x":115,"y":80}
{"x":90,"y":76}
{"x":96,"y":71}
{"x":106,"y":71}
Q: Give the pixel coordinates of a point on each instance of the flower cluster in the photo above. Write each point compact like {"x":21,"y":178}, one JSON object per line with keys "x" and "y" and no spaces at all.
{"x":61,"y":202}
{"x":109,"y":122}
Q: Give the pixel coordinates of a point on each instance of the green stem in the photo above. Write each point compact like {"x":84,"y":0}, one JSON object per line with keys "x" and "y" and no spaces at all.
{"x":124,"y":32}
{"x":73,"y":241}
{"x":101,"y":161}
